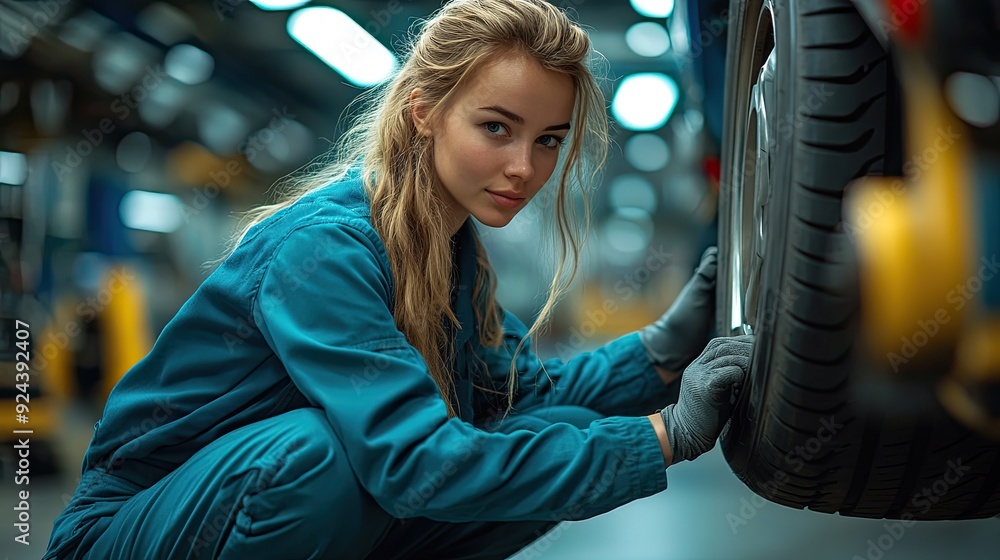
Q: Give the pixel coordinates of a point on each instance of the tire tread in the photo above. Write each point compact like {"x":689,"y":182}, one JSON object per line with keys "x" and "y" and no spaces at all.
{"x":879,"y":461}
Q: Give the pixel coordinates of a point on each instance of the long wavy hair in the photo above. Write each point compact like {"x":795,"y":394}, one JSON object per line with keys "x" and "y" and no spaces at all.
{"x":397,"y":162}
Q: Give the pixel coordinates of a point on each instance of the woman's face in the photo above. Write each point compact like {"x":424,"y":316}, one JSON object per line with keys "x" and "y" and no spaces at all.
{"x":499,"y":141}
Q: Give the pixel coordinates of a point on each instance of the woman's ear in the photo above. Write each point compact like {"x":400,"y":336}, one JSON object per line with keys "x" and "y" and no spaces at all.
{"x":419,"y":113}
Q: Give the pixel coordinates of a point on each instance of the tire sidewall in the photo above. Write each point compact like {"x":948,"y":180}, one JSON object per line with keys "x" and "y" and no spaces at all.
{"x":740,"y":439}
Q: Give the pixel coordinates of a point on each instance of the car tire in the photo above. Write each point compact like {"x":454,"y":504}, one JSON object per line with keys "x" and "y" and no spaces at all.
{"x":803,"y":434}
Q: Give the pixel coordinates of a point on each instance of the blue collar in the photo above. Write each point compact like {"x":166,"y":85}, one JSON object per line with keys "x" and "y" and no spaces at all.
{"x":466,"y":261}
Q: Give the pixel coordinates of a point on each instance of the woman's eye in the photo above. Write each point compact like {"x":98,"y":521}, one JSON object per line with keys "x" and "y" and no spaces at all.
{"x":553,"y":141}
{"x":494,"y":128}
{"x":499,"y":129}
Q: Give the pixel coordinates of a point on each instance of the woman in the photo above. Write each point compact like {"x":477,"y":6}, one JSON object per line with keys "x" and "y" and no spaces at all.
{"x":345,"y":385}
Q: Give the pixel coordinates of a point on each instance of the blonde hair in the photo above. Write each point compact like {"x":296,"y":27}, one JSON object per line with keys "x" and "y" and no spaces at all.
{"x":398,"y":169}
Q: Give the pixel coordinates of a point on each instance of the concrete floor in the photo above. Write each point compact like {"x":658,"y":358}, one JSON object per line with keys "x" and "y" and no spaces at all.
{"x":701,"y":516}
{"x":705,"y":514}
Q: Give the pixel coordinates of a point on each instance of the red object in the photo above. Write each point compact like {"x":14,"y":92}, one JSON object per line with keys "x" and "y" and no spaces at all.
{"x":906,"y":19}
{"x":712,"y":168}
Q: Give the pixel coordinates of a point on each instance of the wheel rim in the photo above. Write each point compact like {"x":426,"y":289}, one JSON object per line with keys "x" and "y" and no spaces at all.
{"x":751,"y":190}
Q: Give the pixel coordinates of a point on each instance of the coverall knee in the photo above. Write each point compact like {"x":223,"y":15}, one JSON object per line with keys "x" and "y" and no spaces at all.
{"x":278,"y":488}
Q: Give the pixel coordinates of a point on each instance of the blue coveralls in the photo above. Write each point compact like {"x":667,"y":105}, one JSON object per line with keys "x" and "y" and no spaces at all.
{"x":281,"y":414}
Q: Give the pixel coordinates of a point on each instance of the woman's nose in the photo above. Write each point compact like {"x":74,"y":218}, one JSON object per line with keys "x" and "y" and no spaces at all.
{"x":520,"y":165}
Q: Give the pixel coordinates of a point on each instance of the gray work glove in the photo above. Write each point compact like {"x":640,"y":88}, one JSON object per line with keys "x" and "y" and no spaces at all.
{"x":709,"y":388}
{"x":677,"y":337}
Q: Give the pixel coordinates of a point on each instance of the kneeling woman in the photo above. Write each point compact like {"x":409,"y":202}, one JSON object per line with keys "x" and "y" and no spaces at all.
{"x":345,"y":384}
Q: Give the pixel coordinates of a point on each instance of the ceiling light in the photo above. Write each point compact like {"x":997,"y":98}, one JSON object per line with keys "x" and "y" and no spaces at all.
{"x":654,"y":8}
{"x":188,"y":64}
{"x":151,"y":211}
{"x":645,"y":101}
{"x":648,"y":38}
{"x":13,"y":168}
{"x":343,"y":44}
{"x":271,"y":5}
{"x":647,"y":152}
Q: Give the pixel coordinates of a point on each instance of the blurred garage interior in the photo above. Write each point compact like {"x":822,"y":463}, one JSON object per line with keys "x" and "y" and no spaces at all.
{"x":132,"y":133}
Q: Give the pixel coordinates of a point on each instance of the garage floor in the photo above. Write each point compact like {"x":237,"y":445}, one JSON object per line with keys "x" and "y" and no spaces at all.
{"x":705,"y":514}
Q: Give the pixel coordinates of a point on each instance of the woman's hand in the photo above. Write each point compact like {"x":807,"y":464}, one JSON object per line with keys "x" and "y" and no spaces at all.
{"x":709,"y":388}
{"x":677,"y":337}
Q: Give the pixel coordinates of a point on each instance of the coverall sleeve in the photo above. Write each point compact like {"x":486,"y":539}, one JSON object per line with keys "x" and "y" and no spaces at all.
{"x":617,"y":378}
{"x":323,"y":306}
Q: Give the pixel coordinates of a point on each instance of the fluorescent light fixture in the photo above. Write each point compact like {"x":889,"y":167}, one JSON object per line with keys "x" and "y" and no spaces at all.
{"x":625,"y":235}
{"x":694,"y":120}
{"x":221,"y":128}
{"x":168,"y":24}
{"x":13,"y":168}
{"x":654,"y":8}
{"x":647,"y":38}
{"x":151,"y":211}
{"x":974,"y":98}
{"x":343,"y":44}
{"x":188,"y":64}
{"x":85,"y":30}
{"x":120,"y":60}
{"x":134,"y":151}
{"x":647,"y":152}
{"x":632,"y":191}
{"x":645,"y":101}
{"x":271,"y":5}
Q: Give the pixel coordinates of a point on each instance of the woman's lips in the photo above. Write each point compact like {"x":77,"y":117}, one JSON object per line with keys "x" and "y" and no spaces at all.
{"x":506,"y":202}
